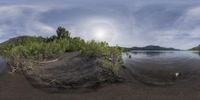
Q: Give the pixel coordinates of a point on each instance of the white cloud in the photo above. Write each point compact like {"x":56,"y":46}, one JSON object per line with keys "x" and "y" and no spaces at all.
{"x":165,"y":36}
{"x":23,"y":20}
{"x":193,"y":14}
{"x":1,"y":33}
{"x":88,"y":29}
{"x":159,"y":25}
{"x":195,"y":33}
{"x":189,"y":22}
{"x":41,"y":28}
{"x":190,"y":17}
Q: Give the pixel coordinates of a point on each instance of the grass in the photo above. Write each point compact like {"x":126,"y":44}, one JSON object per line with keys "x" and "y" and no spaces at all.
{"x":39,"y":48}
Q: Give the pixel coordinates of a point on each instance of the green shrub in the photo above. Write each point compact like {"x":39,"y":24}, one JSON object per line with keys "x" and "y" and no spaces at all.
{"x":39,"y":48}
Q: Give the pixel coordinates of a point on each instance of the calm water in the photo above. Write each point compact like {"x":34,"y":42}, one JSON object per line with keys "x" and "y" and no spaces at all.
{"x":163,"y":67}
{"x":2,"y":65}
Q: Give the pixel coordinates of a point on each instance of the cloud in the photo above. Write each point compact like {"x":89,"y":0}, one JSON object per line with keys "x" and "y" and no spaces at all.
{"x":157,"y":16}
{"x":167,"y":25}
{"x":78,"y":20}
{"x":189,"y":22}
{"x":193,"y":13}
{"x":22,"y":20}
{"x":195,"y":33}
{"x":133,"y":22}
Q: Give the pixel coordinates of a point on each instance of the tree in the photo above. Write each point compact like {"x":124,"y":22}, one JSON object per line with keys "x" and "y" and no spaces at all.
{"x":62,"y":33}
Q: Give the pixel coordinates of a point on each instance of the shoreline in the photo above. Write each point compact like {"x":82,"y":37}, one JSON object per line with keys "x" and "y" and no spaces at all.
{"x":68,"y":71}
{"x":16,"y":87}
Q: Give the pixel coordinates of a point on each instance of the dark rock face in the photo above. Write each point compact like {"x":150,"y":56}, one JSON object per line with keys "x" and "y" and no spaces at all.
{"x":70,"y":71}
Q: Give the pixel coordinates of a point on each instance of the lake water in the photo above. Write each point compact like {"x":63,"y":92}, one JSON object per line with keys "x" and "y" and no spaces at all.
{"x":2,"y":65}
{"x":162,"y":67}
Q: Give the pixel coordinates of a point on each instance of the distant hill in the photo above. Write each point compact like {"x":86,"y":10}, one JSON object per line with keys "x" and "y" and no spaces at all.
{"x":196,"y":48}
{"x":151,"y":47}
{"x":20,"y":40}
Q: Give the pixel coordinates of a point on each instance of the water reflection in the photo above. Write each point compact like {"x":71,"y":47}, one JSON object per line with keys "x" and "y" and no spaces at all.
{"x":150,"y":53}
{"x":162,"y":67}
{"x":2,"y":65}
{"x":196,"y":52}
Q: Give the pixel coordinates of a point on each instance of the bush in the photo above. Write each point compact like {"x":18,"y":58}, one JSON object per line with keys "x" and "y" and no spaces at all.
{"x":39,"y":48}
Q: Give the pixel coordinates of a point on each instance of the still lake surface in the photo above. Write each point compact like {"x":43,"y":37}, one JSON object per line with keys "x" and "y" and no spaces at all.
{"x":163,"y":67}
{"x":2,"y":65}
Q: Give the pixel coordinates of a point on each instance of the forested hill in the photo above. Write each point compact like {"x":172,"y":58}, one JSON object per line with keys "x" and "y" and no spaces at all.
{"x":197,"y":48}
{"x":151,"y":47}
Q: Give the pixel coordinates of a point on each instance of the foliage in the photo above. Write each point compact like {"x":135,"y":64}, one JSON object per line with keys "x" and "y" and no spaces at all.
{"x":34,"y":49}
{"x":196,"y":48}
{"x":62,"y":33}
{"x":39,"y":48}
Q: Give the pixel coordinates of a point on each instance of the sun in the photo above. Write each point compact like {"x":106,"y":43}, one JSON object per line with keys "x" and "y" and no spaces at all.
{"x":100,"y":33}
{"x":100,"y":29}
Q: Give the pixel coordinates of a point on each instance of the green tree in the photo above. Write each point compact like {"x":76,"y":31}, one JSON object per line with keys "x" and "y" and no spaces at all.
{"x":63,"y":33}
{"x":40,"y":48}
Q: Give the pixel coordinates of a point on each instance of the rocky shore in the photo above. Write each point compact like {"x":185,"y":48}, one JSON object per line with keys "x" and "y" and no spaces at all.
{"x":68,"y":71}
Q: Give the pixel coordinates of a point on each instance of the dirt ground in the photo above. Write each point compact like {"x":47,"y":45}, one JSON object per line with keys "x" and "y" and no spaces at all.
{"x":16,"y":87}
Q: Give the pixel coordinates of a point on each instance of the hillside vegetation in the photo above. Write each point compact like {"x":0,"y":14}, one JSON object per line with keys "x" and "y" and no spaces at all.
{"x":196,"y":48}
{"x":40,"y":48}
{"x":151,"y":47}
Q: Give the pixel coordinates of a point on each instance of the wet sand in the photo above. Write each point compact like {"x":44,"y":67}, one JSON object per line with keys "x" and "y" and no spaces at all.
{"x":16,"y":87}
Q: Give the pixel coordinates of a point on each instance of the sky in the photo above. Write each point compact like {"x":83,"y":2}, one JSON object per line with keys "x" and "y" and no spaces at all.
{"x":127,"y":23}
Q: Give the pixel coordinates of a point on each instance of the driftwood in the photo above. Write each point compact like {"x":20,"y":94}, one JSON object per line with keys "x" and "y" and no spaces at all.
{"x":44,"y":62}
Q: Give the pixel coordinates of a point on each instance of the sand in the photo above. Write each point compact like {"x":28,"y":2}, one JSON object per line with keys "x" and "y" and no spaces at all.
{"x":16,"y":87}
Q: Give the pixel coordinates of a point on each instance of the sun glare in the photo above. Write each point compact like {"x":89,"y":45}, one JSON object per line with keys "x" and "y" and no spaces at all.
{"x":100,"y":33}
{"x":100,"y":29}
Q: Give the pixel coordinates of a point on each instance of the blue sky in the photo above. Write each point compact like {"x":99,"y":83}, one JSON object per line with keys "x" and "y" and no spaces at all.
{"x":170,"y":23}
